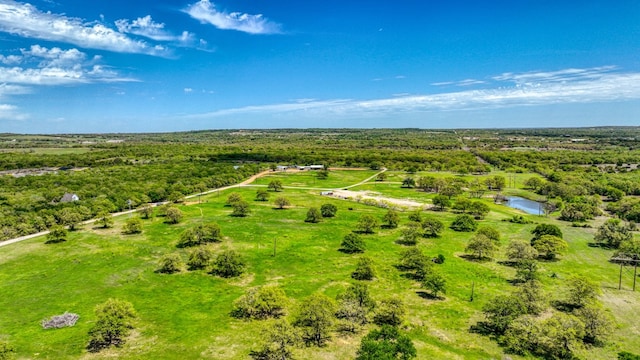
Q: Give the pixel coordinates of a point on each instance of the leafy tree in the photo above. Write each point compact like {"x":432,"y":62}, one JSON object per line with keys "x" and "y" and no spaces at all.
{"x":199,"y":258}
{"x":7,"y":350}
{"x":278,"y":338}
{"x":415,"y":215}
{"x":582,"y":291}
{"x":478,"y":209}
{"x":170,"y":263}
{"x":390,"y":311}
{"x":114,"y":321}
{"x":105,"y":219}
{"x":549,"y":246}
{"x":432,"y":227}
{"x":518,"y":251}
{"x":501,"y":311}
{"x":57,"y":234}
{"x":200,"y":234}
{"x":464,"y":223}
{"x":132,"y":226}
{"x":146,"y":211}
{"x":532,"y":297}
{"x":328,"y":210}
{"x":613,"y":233}
{"x":322,"y":174}
{"x":359,"y":293}
{"x":275,"y":185}
{"x":546,"y":229}
{"x":435,"y":283}
{"x":598,"y":324}
{"x":315,"y":317}
{"x":481,"y":247}
{"x":351,"y":315}
{"x":408,"y":182}
{"x":462,"y":204}
{"x":281,"y":202}
{"x":391,"y":219}
{"x":313,"y":215}
{"x":414,"y":263}
{"x":561,"y":336}
{"x":352,"y":243}
{"x":496,"y":182}
{"x":527,"y":270}
{"x":69,"y":217}
{"x":233,"y":198}
{"x":381,"y":177}
{"x":411,"y":232}
{"x":441,"y":202}
{"x":625,"y":355}
{"x":629,"y":249}
{"x":261,"y":303}
{"x":174,"y":215}
{"x":386,"y":344}
{"x":240,"y":209}
{"x":364,"y":269}
{"x":228,"y":264}
{"x":367,"y":224}
{"x":533,"y":183}
{"x":489,"y":231}
{"x":262,"y":195}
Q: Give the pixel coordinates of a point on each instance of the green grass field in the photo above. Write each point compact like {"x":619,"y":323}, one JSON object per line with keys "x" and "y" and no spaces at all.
{"x":186,"y":315}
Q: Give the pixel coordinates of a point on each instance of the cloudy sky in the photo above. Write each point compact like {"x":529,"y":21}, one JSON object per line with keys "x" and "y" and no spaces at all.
{"x":165,"y":65}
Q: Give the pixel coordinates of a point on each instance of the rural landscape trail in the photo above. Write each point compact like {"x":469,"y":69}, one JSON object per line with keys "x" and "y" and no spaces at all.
{"x":240,"y":184}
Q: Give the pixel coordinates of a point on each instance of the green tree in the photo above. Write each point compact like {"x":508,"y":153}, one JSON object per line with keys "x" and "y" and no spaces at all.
{"x":199,"y":258}
{"x":391,"y":219}
{"x":481,"y":247}
{"x":561,"y":336}
{"x":275,"y":185}
{"x":390,"y":311}
{"x":114,"y":321}
{"x":364,"y":269}
{"x":435,"y":283}
{"x":200,"y":234}
{"x":546,"y":229}
{"x":549,"y":246}
{"x":410,"y":233}
{"x":414,"y":263}
{"x":478,"y":209}
{"x":629,"y":249}
{"x":441,"y":202}
{"x":277,"y":340}
{"x":501,"y":311}
{"x":386,"y":344}
{"x":170,"y":263}
{"x":132,"y":226}
{"x":432,"y":227}
{"x":358,"y":292}
{"x":69,"y":217}
{"x":352,"y":243}
{"x":315,"y":318}
{"x":408,"y":182}
{"x":613,"y":233}
{"x":146,"y":211}
{"x":489,"y":231}
{"x":281,"y":202}
{"x":598,"y":324}
{"x":174,"y":215}
{"x":464,"y":223}
{"x":367,"y":224}
{"x":262,"y":195}
{"x":261,"y":303}
{"x":518,"y":251}
{"x":240,"y":209}
{"x":415,"y":215}
{"x":532,"y":296}
{"x":582,"y":291}
{"x":533,"y":183}
{"x":105,"y":219}
{"x":7,"y":350}
{"x":57,"y":234}
{"x":233,"y":198}
{"x":313,"y":215}
{"x":228,"y":264}
{"x":328,"y":210}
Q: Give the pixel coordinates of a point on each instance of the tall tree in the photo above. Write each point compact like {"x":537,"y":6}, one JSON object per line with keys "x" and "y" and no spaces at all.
{"x":315,"y":317}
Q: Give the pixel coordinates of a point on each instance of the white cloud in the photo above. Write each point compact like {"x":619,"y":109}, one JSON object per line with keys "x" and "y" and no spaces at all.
{"x":10,"y":112}
{"x":145,"y":26}
{"x":576,"y":86}
{"x":206,"y":12}
{"x":27,"y":21}
{"x":188,"y":90}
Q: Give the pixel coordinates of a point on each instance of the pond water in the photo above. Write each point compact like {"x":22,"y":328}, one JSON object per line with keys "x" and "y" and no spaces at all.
{"x":526,"y":205}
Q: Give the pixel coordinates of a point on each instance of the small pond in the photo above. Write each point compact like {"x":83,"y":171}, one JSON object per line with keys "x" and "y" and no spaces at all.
{"x":526,"y":205}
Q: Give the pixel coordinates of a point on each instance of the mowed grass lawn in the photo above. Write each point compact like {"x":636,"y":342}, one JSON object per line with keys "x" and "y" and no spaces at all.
{"x":186,"y":315}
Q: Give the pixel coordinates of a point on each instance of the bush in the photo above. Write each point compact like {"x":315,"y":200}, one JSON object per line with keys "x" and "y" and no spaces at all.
{"x":170,"y":263}
{"x":352,"y":243}
{"x":114,"y":321}
{"x":328,"y":210}
{"x":199,"y":258}
{"x":364,"y":270}
{"x":432,"y":227}
{"x":261,"y":303}
{"x":390,"y":311}
{"x":6,"y":350}
{"x":240,"y":208}
{"x":228,"y":264}
{"x":200,"y":234}
{"x":313,"y":216}
{"x":464,"y":223}
{"x":57,"y":234}
{"x":132,"y":226}
{"x":386,"y":343}
{"x":367,"y":224}
{"x":281,"y":202}
{"x":174,"y":215}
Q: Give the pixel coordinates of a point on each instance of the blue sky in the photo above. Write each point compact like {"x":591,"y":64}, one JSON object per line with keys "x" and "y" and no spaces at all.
{"x":71,"y":66}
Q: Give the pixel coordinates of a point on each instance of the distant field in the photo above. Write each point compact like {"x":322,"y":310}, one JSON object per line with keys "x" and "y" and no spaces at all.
{"x":186,"y":315}
{"x":48,"y":151}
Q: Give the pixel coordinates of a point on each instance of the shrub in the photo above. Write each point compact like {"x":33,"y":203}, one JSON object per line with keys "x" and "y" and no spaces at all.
{"x":57,"y":234}
{"x":228,"y":264}
{"x":367,"y":224}
{"x":352,"y":243}
{"x":364,"y":269}
{"x":199,"y":258}
{"x":464,"y":223}
{"x":390,"y":311}
{"x":114,"y":321}
{"x":328,"y":210}
{"x":170,"y":263}
{"x":132,"y":226}
{"x":261,"y":303}
{"x":313,"y":216}
{"x":174,"y":215}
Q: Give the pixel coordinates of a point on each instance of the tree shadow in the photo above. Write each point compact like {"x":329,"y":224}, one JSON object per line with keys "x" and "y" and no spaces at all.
{"x":387,"y":226}
{"x":482,"y":328}
{"x":563,"y":306}
{"x":428,"y":296}
{"x":406,"y":243}
{"x":476,"y":259}
{"x":55,"y":241}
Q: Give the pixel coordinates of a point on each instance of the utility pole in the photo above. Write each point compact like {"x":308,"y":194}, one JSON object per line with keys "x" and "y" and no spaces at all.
{"x":473,"y":286}
{"x":275,"y":243}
